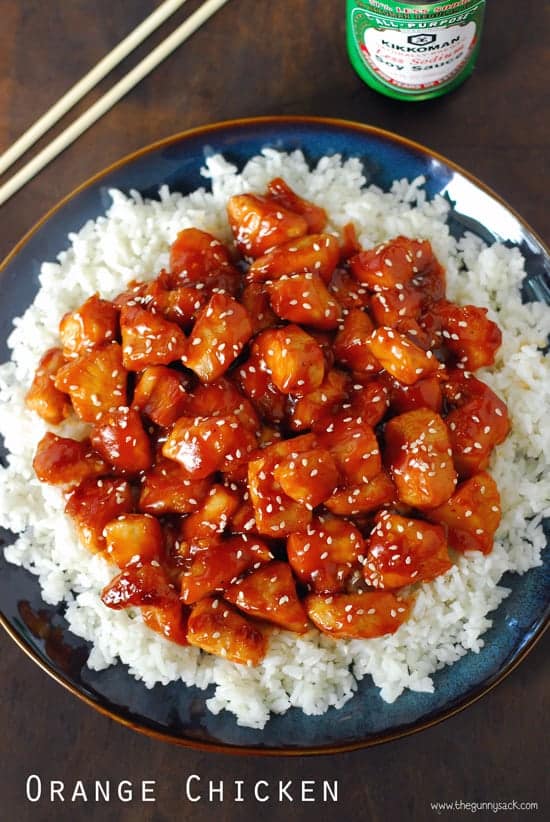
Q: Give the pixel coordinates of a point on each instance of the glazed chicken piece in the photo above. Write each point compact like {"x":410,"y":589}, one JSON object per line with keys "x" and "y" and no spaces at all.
{"x":402,"y":550}
{"x":93,"y":504}
{"x":310,"y":478}
{"x":132,"y":538}
{"x":260,"y":223}
{"x":276,"y":513}
{"x":419,"y":456}
{"x":67,"y":462}
{"x":96,"y":382}
{"x":92,"y":325}
{"x":400,"y":357}
{"x":477,"y":421}
{"x":468,"y":333}
{"x":318,"y":407}
{"x":364,"y":497}
{"x":202,"y":445}
{"x":168,"y":489}
{"x":44,"y":397}
{"x":215,"y":626}
{"x":324,"y":556}
{"x":315,"y":253}
{"x":160,"y":395}
{"x":149,"y":339}
{"x":121,"y":440}
{"x":213,"y":514}
{"x":357,"y":616}
{"x":293,"y":359}
{"x":392,"y":263}
{"x":197,"y":257}
{"x":352,"y":343}
{"x":304,"y":298}
{"x":281,"y":193}
{"x":220,"y":333}
{"x":472,"y":515}
{"x":270,"y":593}
{"x":215,"y":565}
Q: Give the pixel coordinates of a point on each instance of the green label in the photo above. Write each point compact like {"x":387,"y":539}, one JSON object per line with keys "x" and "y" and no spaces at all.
{"x":414,"y":49}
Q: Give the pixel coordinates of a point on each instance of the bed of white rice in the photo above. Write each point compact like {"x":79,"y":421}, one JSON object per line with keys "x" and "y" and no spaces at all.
{"x":312,"y":672}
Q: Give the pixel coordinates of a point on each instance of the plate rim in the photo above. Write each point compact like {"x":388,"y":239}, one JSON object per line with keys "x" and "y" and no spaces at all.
{"x":471,"y":696}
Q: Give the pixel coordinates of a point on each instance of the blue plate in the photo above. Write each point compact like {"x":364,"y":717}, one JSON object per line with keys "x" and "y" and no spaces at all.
{"x":177,"y":713}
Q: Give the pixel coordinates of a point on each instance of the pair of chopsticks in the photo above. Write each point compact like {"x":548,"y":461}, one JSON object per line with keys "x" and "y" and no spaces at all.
{"x":98,"y":109}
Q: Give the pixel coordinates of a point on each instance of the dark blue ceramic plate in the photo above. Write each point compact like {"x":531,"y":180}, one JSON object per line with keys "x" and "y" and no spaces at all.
{"x":177,"y":713}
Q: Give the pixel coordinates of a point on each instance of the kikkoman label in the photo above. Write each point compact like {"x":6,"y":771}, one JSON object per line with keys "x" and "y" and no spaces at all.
{"x":409,"y":50}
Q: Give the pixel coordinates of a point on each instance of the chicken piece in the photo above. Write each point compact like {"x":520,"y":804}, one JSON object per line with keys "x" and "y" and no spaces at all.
{"x":139,"y":584}
{"x":93,"y":504}
{"x":179,"y":304}
{"x":304,"y":298}
{"x":270,"y":593}
{"x":149,"y":339}
{"x":352,"y":347}
{"x":216,"y":627}
{"x":255,"y":381}
{"x":392,"y":263}
{"x":91,"y":326}
{"x":67,"y":462}
{"x":223,"y":398}
{"x":132,"y":538}
{"x":281,"y":193}
{"x":259,"y":224}
{"x":390,"y":306}
{"x":357,"y":616}
{"x":256,"y":301}
{"x":197,"y":256}
{"x":293,"y":359}
{"x":363,"y":498}
{"x":275,"y":512}
{"x":402,"y":551}
{"x":368,"y":403}
{"x":354,"y":447}
{"x":310,"y":478}
{"x":119,"y":437}
{"x":219,"y":564}
{"x":213,"y":514}
{"x":347,"y":291}
{"x":220,"y":333}
{"x":169,"y":620}
{"x":315,"y":253}
{"x":400,"y":357}
{"x":477,"y":422}
{"x":472,"y":515}
{"x":325,"y":555}
{"x":243,"y":520}
{"x":43,"y":397}
{"x":160,"y":395}
{"x":318,"y":407}
{"x":168,"y":489}
{"x":425,"y":393}
{"x":202,"y":445}
{"x":96,"y":382}
{"x":418,"y":453}
{"x":349,"y":245}
{"x":468,"y":333}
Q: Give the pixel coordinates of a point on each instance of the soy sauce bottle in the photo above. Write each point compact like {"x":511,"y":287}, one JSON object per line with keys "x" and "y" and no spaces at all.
{"x":414,"y":49}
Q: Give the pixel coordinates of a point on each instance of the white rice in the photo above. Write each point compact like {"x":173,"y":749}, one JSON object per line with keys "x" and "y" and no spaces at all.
{"x":312,"y":672}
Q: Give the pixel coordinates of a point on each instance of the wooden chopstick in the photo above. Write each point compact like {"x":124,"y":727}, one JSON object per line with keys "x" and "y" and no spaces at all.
{"x":91,"y":79}
{"x":82,"y":123}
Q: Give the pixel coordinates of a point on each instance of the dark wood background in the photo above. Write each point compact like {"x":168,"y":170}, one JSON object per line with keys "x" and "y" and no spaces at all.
{"x":257,"y":58}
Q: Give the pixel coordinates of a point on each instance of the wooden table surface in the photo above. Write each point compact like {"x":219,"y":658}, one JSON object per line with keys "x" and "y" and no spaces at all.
{"x":259,"y":58}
